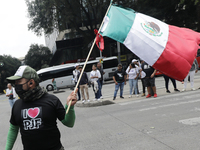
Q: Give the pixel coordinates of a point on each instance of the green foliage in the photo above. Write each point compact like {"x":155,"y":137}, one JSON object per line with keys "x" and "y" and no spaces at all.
{"x":194,"y":1}
{"x":45,"y":15}
{"x":184,"y":13}
{"x":38,"y":56}
{"x":9,"y":67}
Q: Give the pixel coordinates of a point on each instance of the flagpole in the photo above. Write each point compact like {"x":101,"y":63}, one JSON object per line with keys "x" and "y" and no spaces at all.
{"x":70,"y":102}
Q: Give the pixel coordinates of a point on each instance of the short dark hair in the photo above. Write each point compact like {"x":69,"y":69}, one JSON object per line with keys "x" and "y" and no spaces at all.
{"x":133,"y":65}
{"x":94,"y":65}
{"x":119,"y":65}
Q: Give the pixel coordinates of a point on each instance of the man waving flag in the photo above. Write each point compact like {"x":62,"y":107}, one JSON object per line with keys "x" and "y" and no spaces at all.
{"x":167,"y":48}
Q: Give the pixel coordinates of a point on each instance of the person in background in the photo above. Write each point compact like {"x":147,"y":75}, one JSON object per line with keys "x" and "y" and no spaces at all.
{"x":75,"y":73}
{"x":132,"y":75}
{"x":139,"y":69}
{"x":83,"y":84}
{"x":167,"y":83}
{"x":119,"y":78}
{"x":193,"y":70}
{"x":11,"y":94}
{"x":54,"y":84}
{"x":99,"y":67}
{"x":95,"y":75}
{"x":142,"y":80}
{"x":36,"y":113}
{"x":149,"y":79}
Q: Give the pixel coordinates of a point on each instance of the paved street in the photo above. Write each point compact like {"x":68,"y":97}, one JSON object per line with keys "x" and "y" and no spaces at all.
{"x":168,"y":122}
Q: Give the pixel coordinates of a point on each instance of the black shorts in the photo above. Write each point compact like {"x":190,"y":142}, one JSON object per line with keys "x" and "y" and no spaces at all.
{"x":149,"y":82}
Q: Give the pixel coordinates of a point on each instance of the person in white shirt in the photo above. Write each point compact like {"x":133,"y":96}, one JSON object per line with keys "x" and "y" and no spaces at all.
{"x":139,"y":69}
{"x":75,"y":74}
{"x":95,"y":75}
{"x":11,"y":94}
{"x":133,"y":74}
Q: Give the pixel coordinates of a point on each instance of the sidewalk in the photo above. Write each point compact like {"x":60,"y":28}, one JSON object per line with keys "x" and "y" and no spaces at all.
{"x":160,"y":88}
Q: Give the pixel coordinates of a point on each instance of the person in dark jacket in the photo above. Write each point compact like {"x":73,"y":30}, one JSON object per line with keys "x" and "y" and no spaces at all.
{"x":99,"y":67}
{"x":167,"y":83}
{"x":119,"y":78}
{"x":83,"y":84}
{"x":149,"y":79}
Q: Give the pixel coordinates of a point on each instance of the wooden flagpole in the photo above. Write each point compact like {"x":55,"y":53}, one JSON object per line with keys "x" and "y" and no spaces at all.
{"x":88,"y":57}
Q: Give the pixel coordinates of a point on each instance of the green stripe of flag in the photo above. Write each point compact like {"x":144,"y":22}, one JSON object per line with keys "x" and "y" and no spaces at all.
{"x":120,"y":23}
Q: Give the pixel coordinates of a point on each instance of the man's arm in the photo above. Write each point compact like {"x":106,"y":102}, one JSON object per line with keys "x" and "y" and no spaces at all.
{"x":7,"y":95}
{"x":153,"y":74}
{"x":86,"y":78}
{"x":98,"y":74}
{"x":12,"y":136}
{"x":115,"y":80}
{"x":125,"y":79}
{"x":70,"y":117}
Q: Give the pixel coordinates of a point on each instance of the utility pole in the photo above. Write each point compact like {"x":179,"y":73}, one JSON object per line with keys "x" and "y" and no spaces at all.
{"x":118,"y":50}
{"x":101,"y":60}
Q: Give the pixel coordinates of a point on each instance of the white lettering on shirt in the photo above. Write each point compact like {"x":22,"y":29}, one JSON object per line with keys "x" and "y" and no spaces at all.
{"x":31,"y":118}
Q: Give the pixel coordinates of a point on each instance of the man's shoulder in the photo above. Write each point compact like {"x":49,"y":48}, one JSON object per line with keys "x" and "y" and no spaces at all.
{"x":48,"y":99}
{"x":123,"y":71}
{"x":116,"y":71}
{"x":49,"y":96}
{"x":100,"y":69}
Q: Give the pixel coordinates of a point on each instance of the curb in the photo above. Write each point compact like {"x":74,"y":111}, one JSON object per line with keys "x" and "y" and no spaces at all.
{"x":94,"y":103}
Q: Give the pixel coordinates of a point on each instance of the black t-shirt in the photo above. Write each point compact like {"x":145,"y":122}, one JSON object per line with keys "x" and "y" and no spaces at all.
{"x":147,"y":69}
{"x":37,"y":122}
{"x":119,"y":76}
{"x":84,"y":78}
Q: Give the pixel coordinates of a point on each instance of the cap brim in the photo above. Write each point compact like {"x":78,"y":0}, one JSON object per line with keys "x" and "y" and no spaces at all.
{"x":14,"y":78}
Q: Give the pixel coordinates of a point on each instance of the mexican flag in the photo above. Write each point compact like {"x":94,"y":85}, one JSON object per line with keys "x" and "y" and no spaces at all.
{"x":166,"y":48}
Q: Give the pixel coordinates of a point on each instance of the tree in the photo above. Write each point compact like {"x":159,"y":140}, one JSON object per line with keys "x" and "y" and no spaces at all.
{"x":80,"y":16}
{"x":38,"y":56}
{"x":8,"y":68}
{"x":184,"y":13}
{"x":45,"y":15}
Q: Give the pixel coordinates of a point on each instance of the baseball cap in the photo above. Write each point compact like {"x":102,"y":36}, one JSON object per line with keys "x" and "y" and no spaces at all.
{"x":25,"y":72}
{"x":134,"y":60}
{"x":76,"y":65}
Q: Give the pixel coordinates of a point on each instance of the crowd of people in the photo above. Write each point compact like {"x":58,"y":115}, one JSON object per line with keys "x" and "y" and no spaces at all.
{"x":136,"y":70}
{"x":96,"y":79}
{"x":141,"y":70}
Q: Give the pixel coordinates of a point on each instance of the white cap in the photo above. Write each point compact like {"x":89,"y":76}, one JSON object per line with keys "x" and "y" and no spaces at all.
{"x":76,"y":65}
{"x":134,"y":60}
